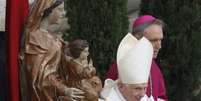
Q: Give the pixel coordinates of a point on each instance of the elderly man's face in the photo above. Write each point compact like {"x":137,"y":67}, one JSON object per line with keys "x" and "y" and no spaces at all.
{"x":133,"y":92}
{"x":154,"y":33}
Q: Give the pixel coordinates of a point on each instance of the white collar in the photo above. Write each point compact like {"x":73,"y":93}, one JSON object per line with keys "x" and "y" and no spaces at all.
{"x":146,"y":98}
{"x":119,"y":93}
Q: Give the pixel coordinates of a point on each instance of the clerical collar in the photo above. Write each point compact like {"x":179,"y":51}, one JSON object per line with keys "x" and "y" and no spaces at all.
{"x":119,"y":93}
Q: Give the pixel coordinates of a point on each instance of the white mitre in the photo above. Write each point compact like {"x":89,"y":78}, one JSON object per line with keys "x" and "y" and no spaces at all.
{"x":126,"y":44}
{"x":135,"y":64}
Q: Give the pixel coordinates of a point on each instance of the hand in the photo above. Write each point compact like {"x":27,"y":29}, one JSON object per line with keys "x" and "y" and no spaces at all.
{"x":74,"y":93}
{"x":67,"y":58}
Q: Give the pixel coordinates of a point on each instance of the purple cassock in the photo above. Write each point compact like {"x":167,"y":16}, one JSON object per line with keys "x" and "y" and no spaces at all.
{"x":157,"y":85}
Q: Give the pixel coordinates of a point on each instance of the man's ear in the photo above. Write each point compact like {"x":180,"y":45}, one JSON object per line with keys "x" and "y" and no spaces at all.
{"x":138,"y":35}
{"x":120,"y":85}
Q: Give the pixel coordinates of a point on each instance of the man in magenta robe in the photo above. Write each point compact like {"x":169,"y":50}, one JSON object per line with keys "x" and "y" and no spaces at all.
{"x":151,"y":28}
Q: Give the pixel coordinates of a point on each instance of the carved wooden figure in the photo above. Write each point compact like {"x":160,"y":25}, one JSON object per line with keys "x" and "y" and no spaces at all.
{"x":79,"y":70}
{"x":43,"y":51}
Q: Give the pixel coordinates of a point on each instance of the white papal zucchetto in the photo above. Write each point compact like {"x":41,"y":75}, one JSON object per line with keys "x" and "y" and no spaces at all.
{"x":134,"y":60}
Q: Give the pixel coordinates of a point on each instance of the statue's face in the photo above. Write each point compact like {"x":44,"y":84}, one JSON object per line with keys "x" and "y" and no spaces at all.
{"x":60,"y":28}
{"x":133,"y":92}
{"x":84,"y":54}
{"x":57,"y":14}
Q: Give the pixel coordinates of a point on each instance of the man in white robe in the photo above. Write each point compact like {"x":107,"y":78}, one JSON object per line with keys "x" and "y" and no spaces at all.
{"x":134,"y":62}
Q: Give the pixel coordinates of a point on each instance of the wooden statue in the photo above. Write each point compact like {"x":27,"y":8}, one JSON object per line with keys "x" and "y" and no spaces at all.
{"x":43,"y":51}
{"x":79,"y":70}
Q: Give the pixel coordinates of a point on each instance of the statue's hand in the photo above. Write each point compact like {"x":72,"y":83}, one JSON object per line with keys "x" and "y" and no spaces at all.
{"x":91,"y":62}
{"x":68,"y":58}
{"x":73,"y":93}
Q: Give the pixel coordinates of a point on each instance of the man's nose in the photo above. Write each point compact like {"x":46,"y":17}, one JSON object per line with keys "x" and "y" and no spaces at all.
{"x":142,"y":93}
{"x":158,"y":44}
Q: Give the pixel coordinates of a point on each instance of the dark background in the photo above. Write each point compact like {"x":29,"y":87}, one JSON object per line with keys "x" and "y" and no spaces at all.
{"x":3,"y":82}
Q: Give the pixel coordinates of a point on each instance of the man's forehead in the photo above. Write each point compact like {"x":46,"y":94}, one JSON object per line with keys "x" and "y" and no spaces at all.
{"x":154,"y":28}
{"x":154,"y":32}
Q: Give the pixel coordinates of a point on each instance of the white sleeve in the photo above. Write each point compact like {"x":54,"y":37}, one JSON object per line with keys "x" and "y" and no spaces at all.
{"x":159,"y":99}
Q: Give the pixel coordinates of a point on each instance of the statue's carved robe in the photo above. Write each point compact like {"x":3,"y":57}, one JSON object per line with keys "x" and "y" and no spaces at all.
{"x":42,"y":56}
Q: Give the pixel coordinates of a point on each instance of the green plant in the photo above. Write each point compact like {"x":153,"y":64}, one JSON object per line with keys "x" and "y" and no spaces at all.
{"x":102,"y":23}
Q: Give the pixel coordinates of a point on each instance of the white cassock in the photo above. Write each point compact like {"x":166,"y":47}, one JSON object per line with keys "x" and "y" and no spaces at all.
{"x":151,"y":98}
{"x":115,"y":95}
{"x":146,"y":98}
{"x":112,"y":93}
